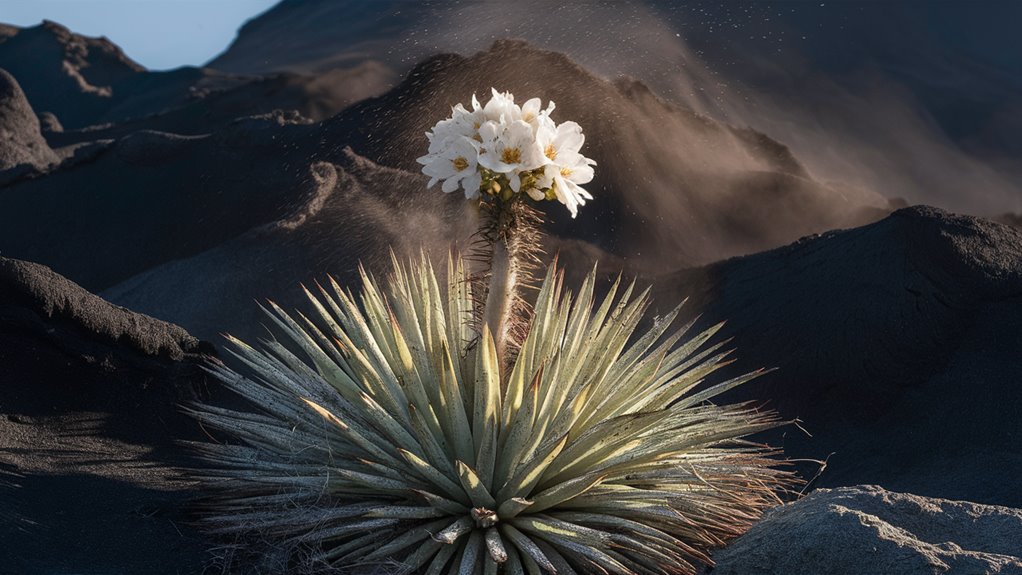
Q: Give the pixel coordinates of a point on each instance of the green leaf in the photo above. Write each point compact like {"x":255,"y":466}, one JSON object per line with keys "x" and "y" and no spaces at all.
{"x":455,"y":530}
{"x":495,"y":545}
{"x":527,"y":547}
{"x":477,"y":492}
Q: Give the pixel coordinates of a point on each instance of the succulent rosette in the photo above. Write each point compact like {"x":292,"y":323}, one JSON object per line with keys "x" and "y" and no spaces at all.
{"x":502,"y":149}
{"x":390,"y":433}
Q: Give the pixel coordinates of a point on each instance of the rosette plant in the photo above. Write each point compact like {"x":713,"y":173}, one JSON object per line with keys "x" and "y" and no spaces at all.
{"x":444,"y":425}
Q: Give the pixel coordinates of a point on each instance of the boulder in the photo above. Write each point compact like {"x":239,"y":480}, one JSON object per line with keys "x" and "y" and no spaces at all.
{"x":865,"y":530}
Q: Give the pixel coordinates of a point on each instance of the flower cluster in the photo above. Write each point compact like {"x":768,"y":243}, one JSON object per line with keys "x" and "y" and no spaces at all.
{"x":503,"y":149}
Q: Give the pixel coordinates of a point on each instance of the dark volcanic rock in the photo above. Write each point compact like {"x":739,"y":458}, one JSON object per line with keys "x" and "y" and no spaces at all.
{"x":90,"y":470}
{"x":68,"y":74}
{"x":898,"y":346}
{"x":21,"y":142}
{"x":39,"y":290}
{"x":48,"y":122}
{"x":208,"y":110}
{"x":85,"y":81}
{"x":332,"y":37}
{"x":866,"y":530}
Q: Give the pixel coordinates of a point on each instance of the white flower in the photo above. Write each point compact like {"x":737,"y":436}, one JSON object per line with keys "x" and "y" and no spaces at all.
{"x":461,"y":124}
{"x":559,"y":140}
{"x":509,"y":148}
{"x":566,"y":168}
{"x":456,"y":164}
{"x":538,"y":119}
{"x":513,"y":149}
{"x":564,"y":175}
{"x":501,"y":108}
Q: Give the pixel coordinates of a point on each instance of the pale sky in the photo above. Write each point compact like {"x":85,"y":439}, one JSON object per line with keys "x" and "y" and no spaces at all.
{"x":159,"y":34}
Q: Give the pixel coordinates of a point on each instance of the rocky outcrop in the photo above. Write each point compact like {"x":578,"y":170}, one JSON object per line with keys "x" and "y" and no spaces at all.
{"x":30,"y":290}
{"x":99,"y":93}
{"x":21,"y":142}
{"x":70,"y":75}
{"x":866,"y":530}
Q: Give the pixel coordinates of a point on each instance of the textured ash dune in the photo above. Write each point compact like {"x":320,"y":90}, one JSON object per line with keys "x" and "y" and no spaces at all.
{"x":151,"y":197}
{"x":90,"y":469}
{"x":354,"y":213}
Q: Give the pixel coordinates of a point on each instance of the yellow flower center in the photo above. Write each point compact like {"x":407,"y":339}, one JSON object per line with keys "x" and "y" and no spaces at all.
{"x":460,"y":163}
{"x":511,"y":155}
{"x":565,"y":172}
{"x":551,"y":152}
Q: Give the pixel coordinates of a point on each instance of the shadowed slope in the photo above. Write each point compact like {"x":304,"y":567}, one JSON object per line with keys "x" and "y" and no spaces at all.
{"x":332,"y":36}
{"x":354,"y":213}
{"x":897,"y":344}
{"x":152,"y":196}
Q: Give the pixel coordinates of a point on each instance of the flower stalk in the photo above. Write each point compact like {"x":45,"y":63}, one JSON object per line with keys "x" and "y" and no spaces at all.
{"x":508,"y":250}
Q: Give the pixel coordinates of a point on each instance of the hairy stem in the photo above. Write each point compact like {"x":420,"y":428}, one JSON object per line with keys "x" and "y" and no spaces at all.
{"x":500,"y":298}
{"x":507,"y":247}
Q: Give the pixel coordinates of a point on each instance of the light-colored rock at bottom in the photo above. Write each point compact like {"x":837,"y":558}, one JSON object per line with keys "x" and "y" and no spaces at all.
{"x":867,"y":530}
